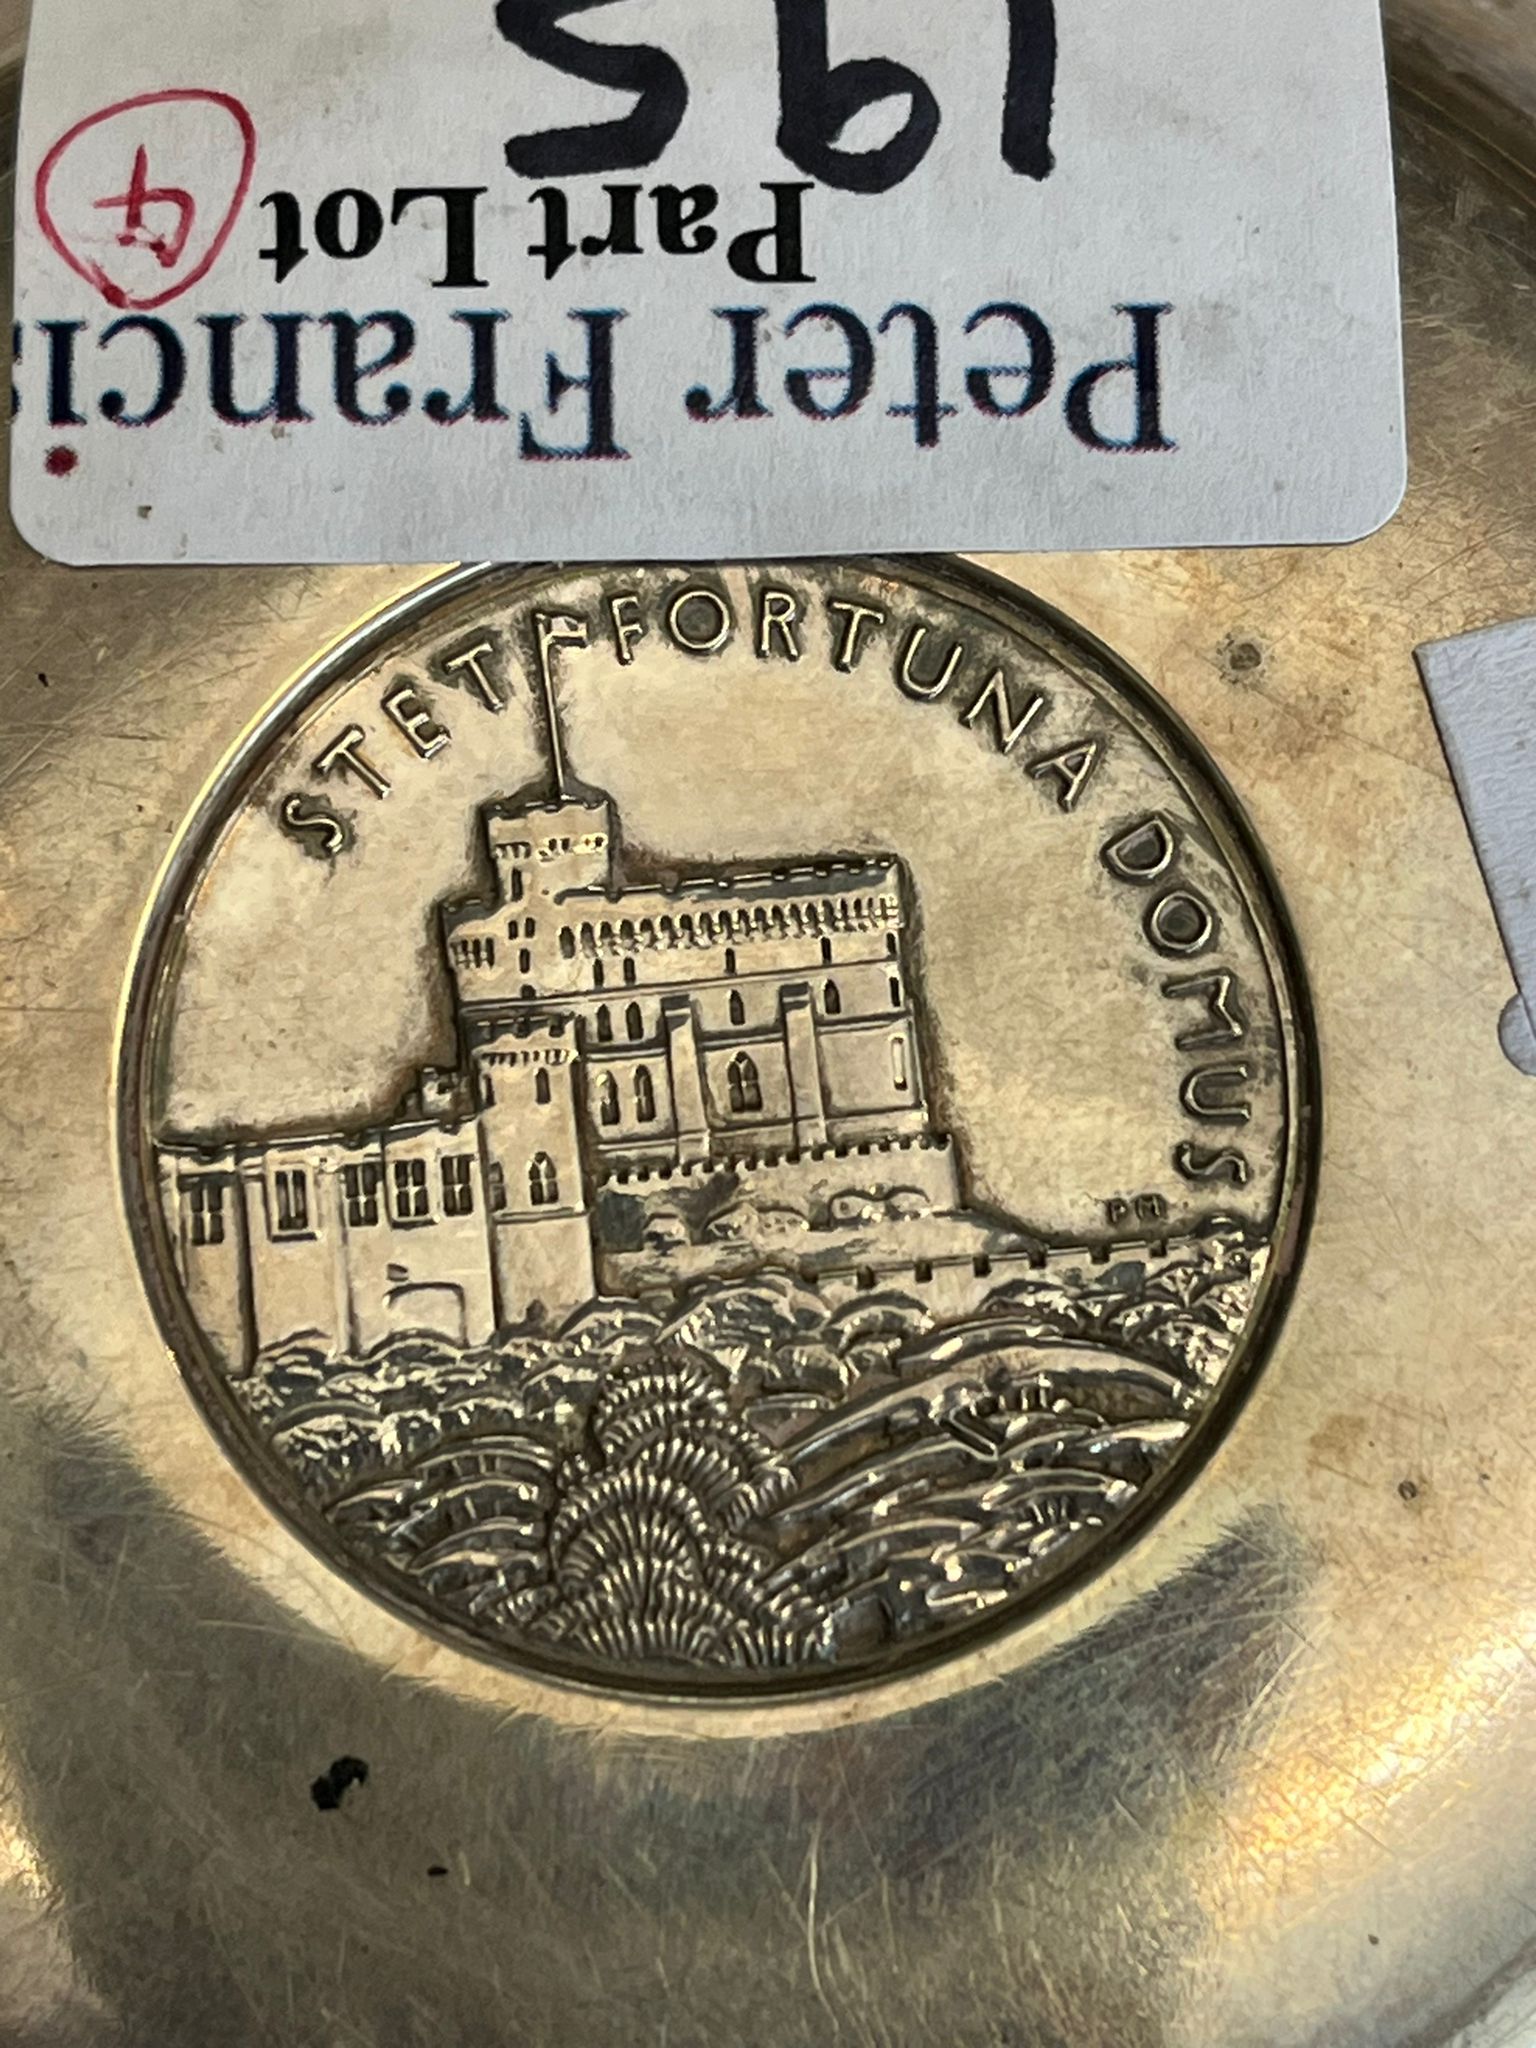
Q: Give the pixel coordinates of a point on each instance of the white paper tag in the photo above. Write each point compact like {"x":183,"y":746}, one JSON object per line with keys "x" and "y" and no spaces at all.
{"x":368,"y":280}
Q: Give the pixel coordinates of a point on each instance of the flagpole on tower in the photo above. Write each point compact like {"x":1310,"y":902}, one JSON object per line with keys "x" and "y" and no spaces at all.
{"x":555,"y":629}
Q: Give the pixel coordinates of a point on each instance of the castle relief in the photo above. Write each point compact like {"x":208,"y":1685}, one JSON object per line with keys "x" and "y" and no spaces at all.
{"x":659,"y":1334}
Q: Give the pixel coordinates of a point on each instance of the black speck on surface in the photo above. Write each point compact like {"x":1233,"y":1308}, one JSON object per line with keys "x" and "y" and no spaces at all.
{"x":1408,"y":1489}
{"x":332,"y":1786}
{"x":437,"y":1870}
{"x":42,"y":677}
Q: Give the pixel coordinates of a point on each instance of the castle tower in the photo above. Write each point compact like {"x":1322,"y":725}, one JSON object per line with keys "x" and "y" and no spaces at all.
{"x":541,"y":847}
{"x":525,"y":1078}
{"x":544,"y":845}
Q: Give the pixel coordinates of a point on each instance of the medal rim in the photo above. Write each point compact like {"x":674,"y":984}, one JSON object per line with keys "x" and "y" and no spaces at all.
{"x":141,"y":1038}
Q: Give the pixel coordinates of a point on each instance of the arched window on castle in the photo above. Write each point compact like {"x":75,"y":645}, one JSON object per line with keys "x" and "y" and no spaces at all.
{"x":541,"y":1085}
{"x":604,"y":1026}
{"x":630,"y":971}
{"x":890,"y":944}
{"x":597,"y":973}
{"x":738,"y":1008}
{"x":607,"y":1100}
{"x":496,"y":1186}
{"x":826,"y":952}
{"x":543,"y":1181}
{"x":524,"y":961}
{"x":742,"y":1085}
{"x":634,"y":1023}
{"x":730,"y":960}
{"x":515,"y":893}
{"x":832,"y":999}
{"x":487,"y":1089}
{"x":895,"y":992}
{"x":567,"y":943}
{"x":899,"y":1062}
{"x":645,"y":1097}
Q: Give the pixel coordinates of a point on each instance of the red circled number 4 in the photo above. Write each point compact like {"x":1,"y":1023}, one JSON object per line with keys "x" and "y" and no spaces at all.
{"x":136,"y":231}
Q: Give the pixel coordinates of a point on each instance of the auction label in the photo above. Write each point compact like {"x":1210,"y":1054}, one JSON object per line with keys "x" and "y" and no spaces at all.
{"x":597,"y":278}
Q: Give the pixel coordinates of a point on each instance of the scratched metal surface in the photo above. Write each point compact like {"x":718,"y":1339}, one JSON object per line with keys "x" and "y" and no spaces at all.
{"x":1266,"y":1782}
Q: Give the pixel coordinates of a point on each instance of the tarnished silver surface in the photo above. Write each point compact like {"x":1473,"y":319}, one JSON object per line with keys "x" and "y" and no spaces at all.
{"x":1261,"y":1781}
{"x":823,"y":1223}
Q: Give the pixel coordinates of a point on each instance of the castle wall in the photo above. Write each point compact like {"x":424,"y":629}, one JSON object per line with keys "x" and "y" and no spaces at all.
{"x":807,"y":1181}
{"x":554,"y":932}
{"x":404,"y":1273}
{"x":953,"y":1288}
{"x":544,"y":1264}
{"x":532,"y":1092}
{"x":296,"y":1289}
{"x":870,"y":1065}
{"x":334,"y":1243}
{"x":212,"y":1273}
{"x":627,"y":1100}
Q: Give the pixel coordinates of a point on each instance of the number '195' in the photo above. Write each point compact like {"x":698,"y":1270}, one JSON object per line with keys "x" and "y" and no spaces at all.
{"x":817,"y":99}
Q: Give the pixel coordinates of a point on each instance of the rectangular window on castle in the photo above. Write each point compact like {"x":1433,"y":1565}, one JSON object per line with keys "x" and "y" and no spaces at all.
{"x":205,"y":1206}
{"x":291,"y":1190}
{"x":360,"y":1185}
{"x":458,"y":1189}
{"x":410,"y":1190}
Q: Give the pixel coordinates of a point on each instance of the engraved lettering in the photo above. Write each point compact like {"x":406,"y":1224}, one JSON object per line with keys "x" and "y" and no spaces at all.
{"x":628,"y":626}
{"x":778,"y":613}
{"x":319,"y":829}
{"x":855,"y":618}
{"x":932,"y":687}
{"x":344,"y":756}
{"x":1210,"y":1093}
{"x":698,"y":597}
{"x":1071,"y":768}
{"x":470,"y":665}
{"x":1228,"y":1023}
{"x":1010,"y":730}
{"x":404,"y":706}
{"x":1181,"y":923}
{"x":1141,"y":853}
{"x":1200,"y":1163}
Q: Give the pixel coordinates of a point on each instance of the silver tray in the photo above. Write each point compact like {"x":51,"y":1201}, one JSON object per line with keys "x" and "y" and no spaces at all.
{"x":1262,"y":1782}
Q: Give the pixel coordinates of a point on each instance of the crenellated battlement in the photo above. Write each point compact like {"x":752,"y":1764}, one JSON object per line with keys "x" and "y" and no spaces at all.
{"x":647,"y":929}
{"x":633,"y":1178}
{"x":1000,"y":1266}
